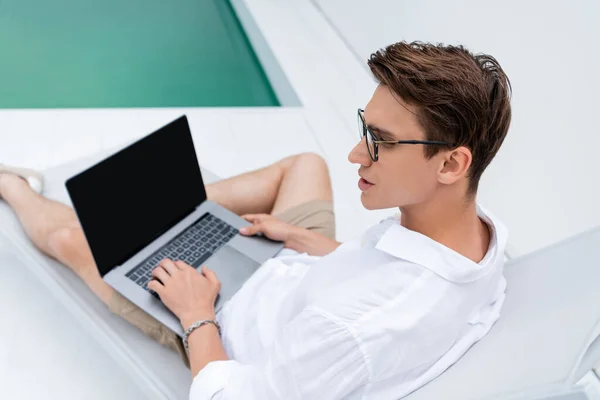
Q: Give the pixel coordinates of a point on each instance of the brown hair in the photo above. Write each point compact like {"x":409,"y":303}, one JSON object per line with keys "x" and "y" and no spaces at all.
{"x":461,"y":98}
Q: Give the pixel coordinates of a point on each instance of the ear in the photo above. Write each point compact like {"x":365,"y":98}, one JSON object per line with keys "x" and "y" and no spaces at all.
{"x":454,"y":165}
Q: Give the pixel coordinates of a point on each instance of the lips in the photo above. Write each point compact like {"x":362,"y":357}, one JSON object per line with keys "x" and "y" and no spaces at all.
{"x":364,"y":184}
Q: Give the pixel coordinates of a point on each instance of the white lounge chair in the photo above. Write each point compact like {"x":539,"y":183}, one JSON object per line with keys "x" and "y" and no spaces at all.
{"x":544,"y":342}
{"x":547,"y":337}
{"x":154,"y":368}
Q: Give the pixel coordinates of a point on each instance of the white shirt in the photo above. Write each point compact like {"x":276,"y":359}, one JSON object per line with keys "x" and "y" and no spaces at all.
{"x":377,"y":318}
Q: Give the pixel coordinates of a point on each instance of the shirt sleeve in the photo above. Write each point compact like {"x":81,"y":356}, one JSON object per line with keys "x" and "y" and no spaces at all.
{"x":312,"y":357}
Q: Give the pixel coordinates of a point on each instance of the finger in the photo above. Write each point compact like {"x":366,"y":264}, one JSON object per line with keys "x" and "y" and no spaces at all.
{"x":254,"y":218}
{"x":210,"y":275}
{"x":251,"y":230}
{"x":251,"y":217}
{"x":156,"y":286}
{"x":182,"y":265}
{"x":160,"y":274}
{"x":169,"y":266}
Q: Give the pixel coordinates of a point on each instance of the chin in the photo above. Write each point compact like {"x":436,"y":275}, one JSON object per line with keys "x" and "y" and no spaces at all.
{"x":372,"y":203}
{"x":369,"y":204}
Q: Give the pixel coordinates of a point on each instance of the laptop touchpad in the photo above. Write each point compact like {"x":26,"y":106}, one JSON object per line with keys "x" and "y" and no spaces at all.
{"x":233,"y":269}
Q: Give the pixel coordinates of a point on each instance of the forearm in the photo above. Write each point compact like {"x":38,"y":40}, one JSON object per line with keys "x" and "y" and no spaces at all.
{"x":305,"y":241}
{"x":204,"y":343}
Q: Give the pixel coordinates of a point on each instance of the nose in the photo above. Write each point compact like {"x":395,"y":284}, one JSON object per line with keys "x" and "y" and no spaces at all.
{"x":360,"y":154}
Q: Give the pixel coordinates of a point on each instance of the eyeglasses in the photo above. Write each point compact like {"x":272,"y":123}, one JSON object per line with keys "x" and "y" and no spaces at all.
{"x":373,"y":143}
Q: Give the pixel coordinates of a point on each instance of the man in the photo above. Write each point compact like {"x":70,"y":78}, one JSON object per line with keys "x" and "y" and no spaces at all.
{"x":376,"y":317}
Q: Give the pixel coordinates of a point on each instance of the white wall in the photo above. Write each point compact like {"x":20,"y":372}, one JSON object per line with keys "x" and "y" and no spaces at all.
{"x":544,"y":182}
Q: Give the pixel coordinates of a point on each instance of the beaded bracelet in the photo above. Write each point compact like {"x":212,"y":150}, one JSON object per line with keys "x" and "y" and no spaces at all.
{"x":195,"y":325}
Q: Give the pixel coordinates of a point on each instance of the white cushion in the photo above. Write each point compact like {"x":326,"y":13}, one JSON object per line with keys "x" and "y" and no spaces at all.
{"x":545,"y":339}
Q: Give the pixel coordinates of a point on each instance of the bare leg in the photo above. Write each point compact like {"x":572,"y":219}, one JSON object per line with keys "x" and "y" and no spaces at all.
{"x":270,"y":190}
{"x":54,"y":228}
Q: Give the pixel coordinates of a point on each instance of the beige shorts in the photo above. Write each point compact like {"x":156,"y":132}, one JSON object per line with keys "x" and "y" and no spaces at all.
{"x":316,"y":215}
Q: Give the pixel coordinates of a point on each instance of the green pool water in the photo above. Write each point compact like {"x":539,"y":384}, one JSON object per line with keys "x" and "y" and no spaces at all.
{"x":127,"y":53}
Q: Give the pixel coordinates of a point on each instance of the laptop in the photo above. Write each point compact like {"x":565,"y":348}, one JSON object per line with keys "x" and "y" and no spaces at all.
{"x":148,"y":202}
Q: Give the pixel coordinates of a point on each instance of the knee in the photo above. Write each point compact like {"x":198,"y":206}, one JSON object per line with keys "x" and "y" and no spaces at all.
{"x":311,"y":166}
{"x":312,"y":160}
{"x":60,"y":240}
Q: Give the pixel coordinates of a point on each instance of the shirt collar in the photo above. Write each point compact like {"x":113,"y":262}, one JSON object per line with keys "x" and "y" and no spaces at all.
{"x":445,"y":262}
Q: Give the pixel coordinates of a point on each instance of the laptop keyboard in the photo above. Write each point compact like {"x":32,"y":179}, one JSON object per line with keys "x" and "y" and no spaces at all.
{"x":194,"y":246}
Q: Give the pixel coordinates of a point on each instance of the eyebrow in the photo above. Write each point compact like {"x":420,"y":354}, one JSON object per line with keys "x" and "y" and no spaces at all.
{"x":382,"y":133}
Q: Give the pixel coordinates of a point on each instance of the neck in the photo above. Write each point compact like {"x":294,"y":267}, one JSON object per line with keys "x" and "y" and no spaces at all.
{"x":450,"y":221}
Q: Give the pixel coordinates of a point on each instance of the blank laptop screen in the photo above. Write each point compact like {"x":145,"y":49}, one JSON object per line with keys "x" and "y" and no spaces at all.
{"x":126,"y":201}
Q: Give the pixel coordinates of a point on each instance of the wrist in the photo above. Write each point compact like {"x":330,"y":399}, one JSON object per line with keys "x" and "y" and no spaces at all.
{"x":294,"y":239}
{"x":189,"y":318}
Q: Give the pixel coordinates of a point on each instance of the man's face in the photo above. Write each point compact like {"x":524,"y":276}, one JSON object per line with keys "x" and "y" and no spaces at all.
{"x":401,"y":176}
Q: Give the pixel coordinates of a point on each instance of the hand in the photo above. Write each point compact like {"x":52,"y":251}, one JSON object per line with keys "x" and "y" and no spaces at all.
{"x":188,"y":294}
{"x":270,"y":226}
